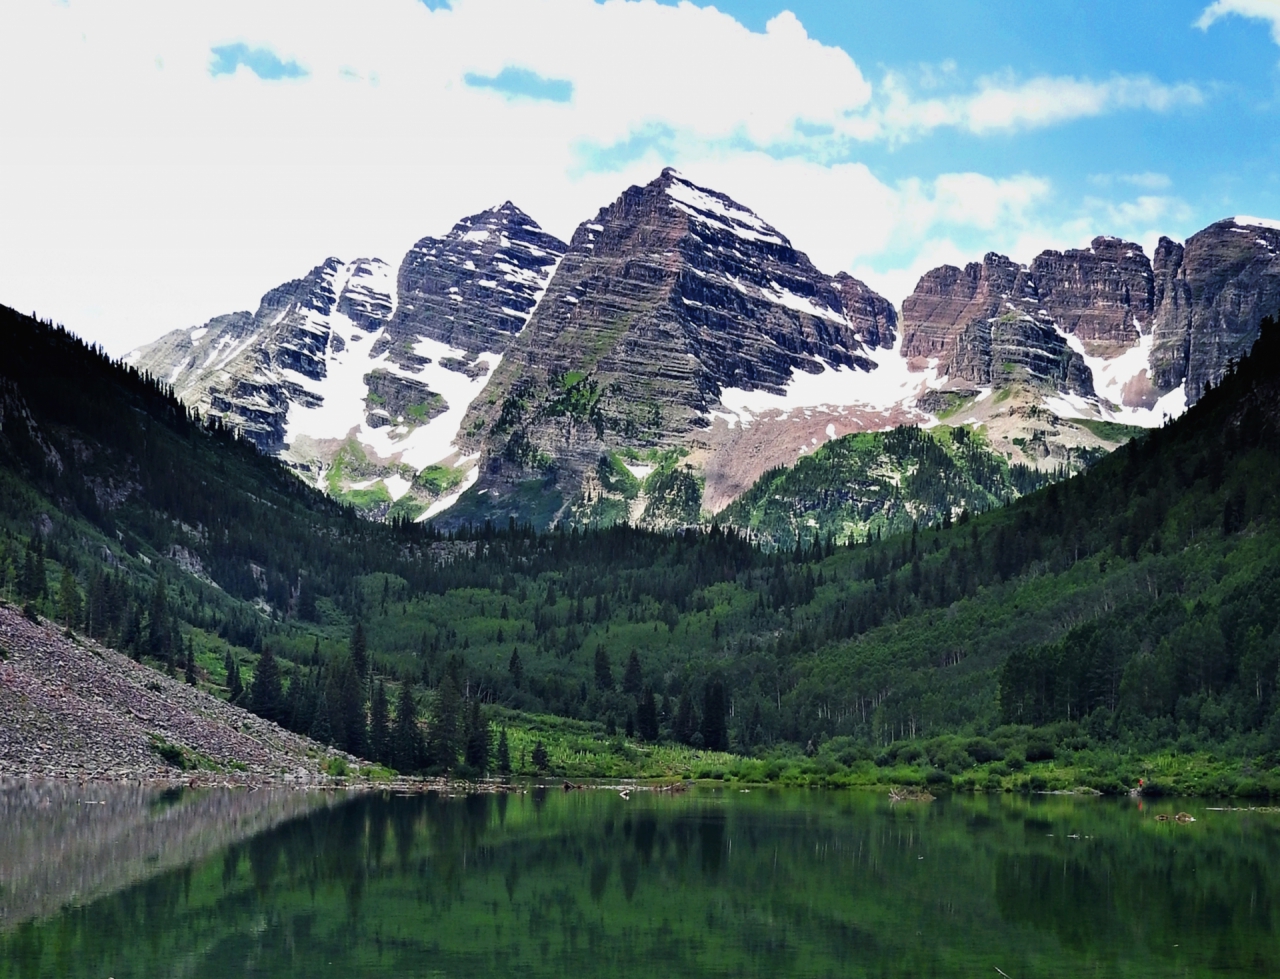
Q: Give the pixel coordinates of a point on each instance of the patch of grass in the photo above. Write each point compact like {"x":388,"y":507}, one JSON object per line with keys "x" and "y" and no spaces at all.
{"x":1109,"y":431}
{"x":174,"y":754}
{"x":406,"y":508}
{"x":439,"y":479}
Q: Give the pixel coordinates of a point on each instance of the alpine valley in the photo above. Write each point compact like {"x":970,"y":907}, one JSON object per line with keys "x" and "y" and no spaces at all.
{"x":679,"y":348}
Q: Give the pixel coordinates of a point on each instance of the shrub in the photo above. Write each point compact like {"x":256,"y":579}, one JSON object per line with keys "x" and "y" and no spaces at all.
{"x":1040,"y":749}
{"x":983,"y":750}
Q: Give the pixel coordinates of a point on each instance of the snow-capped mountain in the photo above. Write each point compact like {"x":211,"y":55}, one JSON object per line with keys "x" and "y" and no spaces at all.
{"x":680,"y":346}
{"x":360,"y":378}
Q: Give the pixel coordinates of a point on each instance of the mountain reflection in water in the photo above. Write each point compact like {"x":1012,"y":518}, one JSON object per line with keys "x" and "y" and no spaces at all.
{"x":706,"y":883}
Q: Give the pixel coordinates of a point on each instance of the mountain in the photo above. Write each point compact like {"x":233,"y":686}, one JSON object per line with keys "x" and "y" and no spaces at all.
{"x":651,"y":382}
{"x":1102,"y":333}
{"x":680,"y":347}
{"x":359,"y":376}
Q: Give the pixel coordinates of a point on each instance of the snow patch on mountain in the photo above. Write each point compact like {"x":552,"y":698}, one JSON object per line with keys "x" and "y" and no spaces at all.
{"x":892,"y":385}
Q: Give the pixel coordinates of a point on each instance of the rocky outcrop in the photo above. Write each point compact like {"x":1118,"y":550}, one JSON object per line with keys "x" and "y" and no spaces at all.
{"x":393,"y":399}
{"x":985,"y":325}
{"x":1196,"y":307}
{"x":476,"y":287}
{"x":1211,"y":294}
{"x":1104,"y":294}
{"x":872,"y":317}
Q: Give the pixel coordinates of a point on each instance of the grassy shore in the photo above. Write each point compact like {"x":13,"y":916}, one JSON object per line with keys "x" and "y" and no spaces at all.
{"x":1011,"y":760}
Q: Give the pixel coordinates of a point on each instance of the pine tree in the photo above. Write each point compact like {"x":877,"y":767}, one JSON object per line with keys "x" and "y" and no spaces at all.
{"x":685,"y":725}
{"x":379,"y":726}
{"x":158,"y":621}
{"x":504,"y":753}
{"x":604,"y":673}
{"x":539,"y":757}
{"x":443,"y":737}
{"x":407,"y":748}
{"x":647,"y":716}
{"x":355,"y":725}
{"x":321,"y":728}
{"x":360,"y":651}
{"x":516,"y":668}
{"x":633,"y":678}
{"x":69,"y":600}
{"x":715,"y":733}
{"x":266,"y":697}
{"x":190,"y":671}
{"x":478,"y":746}
{"x":235,"y":688}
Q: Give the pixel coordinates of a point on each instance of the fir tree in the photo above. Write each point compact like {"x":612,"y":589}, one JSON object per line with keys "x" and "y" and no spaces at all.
{"x":190,"y":665}
{"x":379,"y":725}
{"x":604,"y":674}
{"x":478,"y":746}
{"x":355,"y":725}
{"x":539,"y":757}
{"x":360,"y":651}
{"x":406,"y":747}
{"x":234,"y":687}
{"x":69,"y":600}
{"x":266,"y":696}
{"x":443,"y":738}
{"x":158,"y":622}
{"x":516,"y":668}
{"x":633,"y":678}
{"x":715,"y":733}
{"x":504,"y":753}
{"x":321,"y":728}
{"x":647,"y":716}
{"x":685,"y":725}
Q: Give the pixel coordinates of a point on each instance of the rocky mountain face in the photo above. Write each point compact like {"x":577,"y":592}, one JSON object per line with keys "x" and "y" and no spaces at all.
{"x":670,"y":298}
{"x":1096,"y":334}
{"x":1209,"y":296}
{"x":476,"y":287}
{"x":680,"y":346}
{"x":360,"y":376}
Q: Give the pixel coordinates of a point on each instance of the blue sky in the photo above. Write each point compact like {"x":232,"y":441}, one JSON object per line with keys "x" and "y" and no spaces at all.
{"x":179,"y":160}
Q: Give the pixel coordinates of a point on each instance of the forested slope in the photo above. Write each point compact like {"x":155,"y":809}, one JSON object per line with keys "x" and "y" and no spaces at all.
{"x":1130,"y":607}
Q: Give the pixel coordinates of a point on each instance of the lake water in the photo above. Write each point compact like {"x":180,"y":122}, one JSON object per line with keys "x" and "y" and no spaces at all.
{"x":133,"y":883}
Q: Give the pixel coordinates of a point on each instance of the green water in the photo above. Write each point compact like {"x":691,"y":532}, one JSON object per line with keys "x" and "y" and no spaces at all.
{"x":584,"y":884}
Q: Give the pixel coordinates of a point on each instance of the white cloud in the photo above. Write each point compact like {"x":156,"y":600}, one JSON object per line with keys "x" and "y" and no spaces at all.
{"x":1003,"y":104}
{"x":1268,"y":10}
{"x":139,"y":192}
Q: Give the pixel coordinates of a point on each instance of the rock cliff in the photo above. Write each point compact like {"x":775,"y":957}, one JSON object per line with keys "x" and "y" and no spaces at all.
{"x":1210,"y":295}
{"x":671,"y":297}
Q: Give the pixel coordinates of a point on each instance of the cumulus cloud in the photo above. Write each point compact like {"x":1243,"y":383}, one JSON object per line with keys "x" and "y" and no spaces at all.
{"x":178,"y":160}
{"x":1268,"y":10}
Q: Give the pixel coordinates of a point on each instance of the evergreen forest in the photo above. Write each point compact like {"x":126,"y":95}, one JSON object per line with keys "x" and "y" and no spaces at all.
{"x":1120,"y":623}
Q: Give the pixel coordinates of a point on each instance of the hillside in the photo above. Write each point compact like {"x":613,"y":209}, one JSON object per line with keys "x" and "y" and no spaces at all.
{"x":1158,"y":553}
{"x":881,"y":484}
{"x":73,"y":709}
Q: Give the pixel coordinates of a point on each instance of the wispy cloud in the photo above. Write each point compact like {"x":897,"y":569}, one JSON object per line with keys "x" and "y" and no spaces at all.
{"x":1003,"y":104}
{"x":1268,"y":10}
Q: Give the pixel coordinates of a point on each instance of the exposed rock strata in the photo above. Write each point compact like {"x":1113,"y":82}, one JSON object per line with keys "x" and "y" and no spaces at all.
{"x":669,"y":296}
{"x":476,"y":287}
